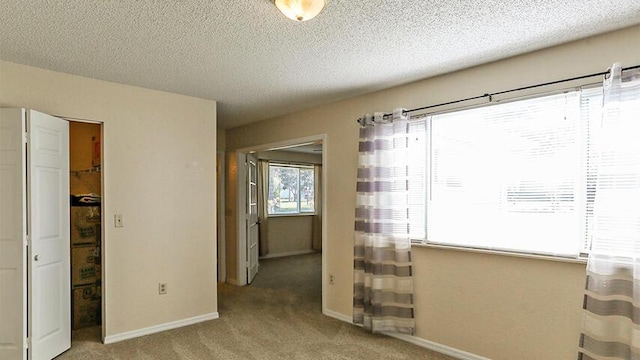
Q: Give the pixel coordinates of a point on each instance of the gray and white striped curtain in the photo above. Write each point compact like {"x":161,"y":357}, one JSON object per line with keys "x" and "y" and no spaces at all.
{"x":611,"y":327}
{"x":383,"y":282}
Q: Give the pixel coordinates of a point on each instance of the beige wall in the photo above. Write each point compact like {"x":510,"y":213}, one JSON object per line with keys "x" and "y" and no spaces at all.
{"x":290,"y":234}
{"x":159,"y":172}
{"x":220,"y":138}
{"x":231,"y":229}
{"x":496,"y":306}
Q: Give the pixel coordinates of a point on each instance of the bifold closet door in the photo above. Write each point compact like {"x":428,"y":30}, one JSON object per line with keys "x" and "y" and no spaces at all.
{"x":252,"y":217}
{"x":48,"y":228}
{"x":34,"y":236}
{"x":13,"y":250}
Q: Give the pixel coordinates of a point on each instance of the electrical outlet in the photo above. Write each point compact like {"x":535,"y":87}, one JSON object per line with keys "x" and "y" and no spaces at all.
{"x":118,"y":221}
{"x":162,"y":288}
{"x":332,"y":279}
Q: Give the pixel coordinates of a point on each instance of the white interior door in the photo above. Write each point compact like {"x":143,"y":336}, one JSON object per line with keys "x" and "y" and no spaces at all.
{"x":252,"y":217}
{"x":13,"y":250}
{"x":48,"y":229}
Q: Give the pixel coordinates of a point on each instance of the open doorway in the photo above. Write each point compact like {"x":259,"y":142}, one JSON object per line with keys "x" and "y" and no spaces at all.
{"x":86,"y":229}
{"x":290,"y":223}
{"x":290,"y":186}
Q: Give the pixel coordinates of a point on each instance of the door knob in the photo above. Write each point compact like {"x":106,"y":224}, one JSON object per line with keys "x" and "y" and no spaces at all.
{"x":36,"y":258}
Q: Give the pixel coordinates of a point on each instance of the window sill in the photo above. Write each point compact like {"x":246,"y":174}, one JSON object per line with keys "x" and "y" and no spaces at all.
{"x":289,"y":215}
{"x":502,"y":253}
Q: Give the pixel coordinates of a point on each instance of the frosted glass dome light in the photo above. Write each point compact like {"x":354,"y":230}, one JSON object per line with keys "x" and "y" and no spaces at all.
{"x":300,"y":10}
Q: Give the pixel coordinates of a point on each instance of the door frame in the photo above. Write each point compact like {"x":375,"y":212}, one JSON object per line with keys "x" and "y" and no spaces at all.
{"x":241,"y":194}
{"x":103,"y":223}
{"x":220,"y":196}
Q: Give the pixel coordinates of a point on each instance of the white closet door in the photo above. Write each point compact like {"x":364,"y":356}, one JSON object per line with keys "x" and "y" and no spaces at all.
{"x":13,"y":252}
{"x":49,"y":255}
{"x":252,"y":217}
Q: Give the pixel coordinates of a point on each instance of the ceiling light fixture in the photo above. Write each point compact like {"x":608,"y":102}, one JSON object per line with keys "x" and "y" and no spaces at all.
{"x":300,"y":10}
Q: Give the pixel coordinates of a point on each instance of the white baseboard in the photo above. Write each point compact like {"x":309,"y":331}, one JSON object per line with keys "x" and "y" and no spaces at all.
{"x":288,"y":253}
{"x":159,"y":328}
{"x":443,"y":349}
{"x":337,"y":315}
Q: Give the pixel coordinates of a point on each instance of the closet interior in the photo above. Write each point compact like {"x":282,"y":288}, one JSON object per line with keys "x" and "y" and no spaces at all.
{"x":85,"y":183}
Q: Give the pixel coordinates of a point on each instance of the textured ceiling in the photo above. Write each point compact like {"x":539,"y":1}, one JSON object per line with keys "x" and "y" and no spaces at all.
{"x":258,"y":64}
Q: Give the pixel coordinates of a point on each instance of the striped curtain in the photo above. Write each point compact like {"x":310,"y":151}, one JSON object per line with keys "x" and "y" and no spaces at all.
{"x":383,"y":282}
{"x":611,"y":327}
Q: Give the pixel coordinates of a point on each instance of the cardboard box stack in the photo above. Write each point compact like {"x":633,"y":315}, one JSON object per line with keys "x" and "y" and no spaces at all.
{"x":85,"y":260}
{"x":86,"y":306}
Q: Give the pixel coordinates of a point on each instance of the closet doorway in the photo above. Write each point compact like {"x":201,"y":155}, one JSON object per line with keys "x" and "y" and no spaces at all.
{"x":86,"y":228}
{"x":38,"y":240}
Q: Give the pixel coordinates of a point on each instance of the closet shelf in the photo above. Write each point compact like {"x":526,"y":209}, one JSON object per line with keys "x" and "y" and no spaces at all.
{"x":95,"y":169}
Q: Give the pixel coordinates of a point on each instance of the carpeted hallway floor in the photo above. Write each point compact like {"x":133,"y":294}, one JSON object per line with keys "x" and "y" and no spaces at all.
{"x":278,"y":316}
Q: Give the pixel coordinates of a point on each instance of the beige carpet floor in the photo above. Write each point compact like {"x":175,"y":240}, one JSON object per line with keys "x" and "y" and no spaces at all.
{"x":278,"y":316}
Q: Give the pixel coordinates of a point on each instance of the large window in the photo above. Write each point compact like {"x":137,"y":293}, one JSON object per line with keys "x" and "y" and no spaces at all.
{"x":291,"y":189}
{"x":516,"y":176}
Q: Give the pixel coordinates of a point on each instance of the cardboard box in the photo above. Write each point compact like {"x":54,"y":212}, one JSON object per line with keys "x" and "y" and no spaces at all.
{"x":85,"y":225}
{"x":96,"y":150}
{"x":87,"y":308}
{"x":89,"y":235}
{"x":85,"y":265}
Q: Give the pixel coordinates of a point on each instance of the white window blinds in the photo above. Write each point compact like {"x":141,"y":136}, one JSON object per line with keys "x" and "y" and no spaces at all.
{"x":513,"y":176}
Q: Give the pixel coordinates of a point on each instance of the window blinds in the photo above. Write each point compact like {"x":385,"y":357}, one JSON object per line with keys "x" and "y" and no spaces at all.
{"x":516,"y":176}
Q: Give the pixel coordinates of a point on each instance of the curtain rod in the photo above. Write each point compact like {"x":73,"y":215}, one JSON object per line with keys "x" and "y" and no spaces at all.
{"x":490,"y":95}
